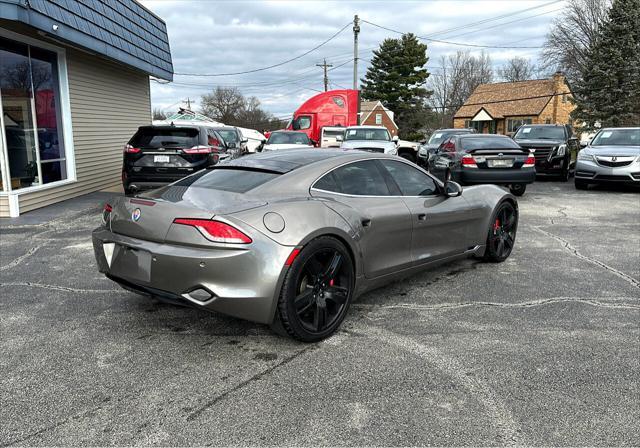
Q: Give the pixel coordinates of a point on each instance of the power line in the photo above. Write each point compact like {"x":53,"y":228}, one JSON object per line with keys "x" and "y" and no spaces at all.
{"x":445,"y":41}
{"x":274,"y":65}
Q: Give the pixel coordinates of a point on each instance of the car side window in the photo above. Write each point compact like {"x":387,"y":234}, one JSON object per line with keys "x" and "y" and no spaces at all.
{"x":359,"y":178}
{"x":412,"y":181}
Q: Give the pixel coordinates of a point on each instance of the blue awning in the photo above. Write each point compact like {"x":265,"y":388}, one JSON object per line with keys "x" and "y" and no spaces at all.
{"x":122,"y":30}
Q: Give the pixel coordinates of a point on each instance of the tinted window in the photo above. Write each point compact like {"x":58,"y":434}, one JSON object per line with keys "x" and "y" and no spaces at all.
{"x":488,"y":143}
{"x":236,"y":181}
{"x":540,"y":133}
{"x":295,"y":138}
{"x":150,"y":137}
{"x":367,"y":134}
{"x":332,"y":133}
{"x":412,"y":182}
{"x":327,"y":183}
{"x":617,"y":137}
{"x":303,"y":122}
{"x":440,"y":136}
{"x":361,"y":178}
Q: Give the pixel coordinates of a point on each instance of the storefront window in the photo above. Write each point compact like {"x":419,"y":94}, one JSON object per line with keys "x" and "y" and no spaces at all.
{"x":30,"y":100}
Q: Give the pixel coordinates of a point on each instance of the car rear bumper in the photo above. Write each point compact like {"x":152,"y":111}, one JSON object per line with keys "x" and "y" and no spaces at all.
{"x":241,"y":282}
{"x":593,"y":173}
{"x":495,"y":176}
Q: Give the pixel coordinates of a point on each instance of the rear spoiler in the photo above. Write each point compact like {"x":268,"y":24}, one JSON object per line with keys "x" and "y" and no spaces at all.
{"x":245,"y":168}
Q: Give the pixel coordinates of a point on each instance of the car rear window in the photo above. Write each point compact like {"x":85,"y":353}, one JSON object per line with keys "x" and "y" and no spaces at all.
{"x":150,"y":137}
{"x":233,"y":180}
{"x":488,"y":143}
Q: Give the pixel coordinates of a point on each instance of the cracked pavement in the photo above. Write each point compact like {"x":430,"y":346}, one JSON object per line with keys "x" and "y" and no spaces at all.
{"x":543,"y":349}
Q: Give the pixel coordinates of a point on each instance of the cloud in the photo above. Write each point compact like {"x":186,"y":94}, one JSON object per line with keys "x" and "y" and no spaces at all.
{"x":232,"y":36}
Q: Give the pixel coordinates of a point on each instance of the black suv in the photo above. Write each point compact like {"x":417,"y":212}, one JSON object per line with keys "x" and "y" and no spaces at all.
{"x":158,"y":155}
{"x":554,"y":146}
{"x":484,"y":159}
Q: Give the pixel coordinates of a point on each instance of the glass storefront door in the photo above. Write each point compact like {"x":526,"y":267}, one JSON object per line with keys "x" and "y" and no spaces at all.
{"x":29,"y":94}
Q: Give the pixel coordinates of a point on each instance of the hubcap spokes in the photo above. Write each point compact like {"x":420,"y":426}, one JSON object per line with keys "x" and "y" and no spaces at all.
{"x":323,"y":290}
{"x":504,"y":230}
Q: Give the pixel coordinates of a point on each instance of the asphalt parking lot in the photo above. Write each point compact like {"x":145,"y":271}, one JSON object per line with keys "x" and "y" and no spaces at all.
{"x":543,"y":349}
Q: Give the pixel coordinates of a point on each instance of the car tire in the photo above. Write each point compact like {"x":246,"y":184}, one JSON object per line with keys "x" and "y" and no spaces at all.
{"x":502,"y":233}
{"x":581,"y":184}
{"x":518,"y":189}
{"x":408,"y":156}
{"x":317,"y":291}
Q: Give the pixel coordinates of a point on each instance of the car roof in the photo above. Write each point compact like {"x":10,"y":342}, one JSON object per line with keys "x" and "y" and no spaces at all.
{"x":454,"y":130}
{"x":287,"y":132}
{"x":472,"y":135}
{"x":630,"y":128}
{"x":544,"y":125}
{"x":366,"y":127}
{"x":281,"y":161}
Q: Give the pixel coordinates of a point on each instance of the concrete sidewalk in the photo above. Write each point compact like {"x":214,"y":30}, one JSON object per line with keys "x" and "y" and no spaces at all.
{"x":90,"y":203}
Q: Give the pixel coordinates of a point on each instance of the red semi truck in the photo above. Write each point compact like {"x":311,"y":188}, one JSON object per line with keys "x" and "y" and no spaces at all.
{"x":332,"y":108}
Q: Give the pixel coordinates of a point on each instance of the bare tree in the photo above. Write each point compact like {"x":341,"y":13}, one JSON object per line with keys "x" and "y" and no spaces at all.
{"x":517,"y":69}
{"x":158,"y":114}
{"x":460,"y":74}
{"x":572,"y":34}
{"x":223,"y":104}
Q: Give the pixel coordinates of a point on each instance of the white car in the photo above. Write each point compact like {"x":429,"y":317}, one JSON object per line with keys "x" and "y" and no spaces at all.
{"x":279,"y":140}
{"x":331,"y":136}
{"x":370,"y":138}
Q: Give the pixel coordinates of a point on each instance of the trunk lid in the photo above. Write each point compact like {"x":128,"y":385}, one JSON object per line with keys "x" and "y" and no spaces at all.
{"x":499,"y":158}
{"x":150,"y":217}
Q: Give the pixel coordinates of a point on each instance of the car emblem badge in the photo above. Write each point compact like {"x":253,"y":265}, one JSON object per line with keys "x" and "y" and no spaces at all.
{"x":135,"y":215}
{"x":614,"y":158}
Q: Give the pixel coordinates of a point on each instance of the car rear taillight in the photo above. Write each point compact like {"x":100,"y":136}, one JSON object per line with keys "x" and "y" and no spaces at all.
{"x":199,"y":150}
{"x":216,"y":231}
{"x":108,"y":208}
{"x":530,"y":162}
{"x":131,"y":149}
{"x":469,"y":162}
{"x":448,"y":146}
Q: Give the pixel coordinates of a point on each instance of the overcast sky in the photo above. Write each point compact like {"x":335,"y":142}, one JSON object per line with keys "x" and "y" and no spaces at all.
{"x":213,"y":37}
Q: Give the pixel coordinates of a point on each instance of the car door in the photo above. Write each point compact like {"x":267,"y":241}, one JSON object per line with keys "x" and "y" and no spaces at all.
{"x":360,"y":194}
{"x":439,"y":223}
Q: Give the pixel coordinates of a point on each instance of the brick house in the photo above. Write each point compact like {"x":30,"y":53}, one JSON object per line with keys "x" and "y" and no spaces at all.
{"x":500,"y":107}
{"x":373,"y":113}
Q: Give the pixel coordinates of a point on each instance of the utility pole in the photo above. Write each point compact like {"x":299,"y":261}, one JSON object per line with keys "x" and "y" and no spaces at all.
{"x":356,"y":30}
{"x":326,"y":78}
{"x":188,"y":101}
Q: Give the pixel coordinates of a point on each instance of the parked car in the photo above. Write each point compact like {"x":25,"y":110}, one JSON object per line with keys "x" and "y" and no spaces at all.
{"x":426,"y":150}
{"x":158,"y":155}
{"x":370,"y":138}
{"x":244,"y":238}
{"x":484,"y":159}
{"x":330,"y":136}
{"x":279,"y":140}
{"x":554,"y":146}
{"x":613,"y":156}
{"x":234,"y":140}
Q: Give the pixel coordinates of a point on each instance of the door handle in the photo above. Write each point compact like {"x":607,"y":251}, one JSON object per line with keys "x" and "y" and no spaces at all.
{"x":366,"y":222}
{"x":422,"y":217}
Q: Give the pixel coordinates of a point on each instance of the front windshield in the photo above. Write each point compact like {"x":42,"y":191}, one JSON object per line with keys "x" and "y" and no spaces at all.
{"x":617,"y":137}
{"x":229,"y":136}
{"x":540,"y":133}
{"x":288,"y":138}
{"x":368,"y":134}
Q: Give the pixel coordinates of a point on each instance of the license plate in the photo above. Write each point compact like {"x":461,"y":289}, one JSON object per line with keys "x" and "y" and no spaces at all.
{"x":500,"y":163}
{"x":161,"y":159}
{"x":129,"y":263}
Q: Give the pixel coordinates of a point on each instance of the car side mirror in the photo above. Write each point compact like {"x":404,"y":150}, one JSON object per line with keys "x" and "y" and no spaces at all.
{"x":395,"y":139}
{"x":313,"y":142}
{"x":246,"y":140}
{"x":452,"y":189}
{"x":231,"y":145}
{"x":264,"y":141}
{"x":584,"y":144}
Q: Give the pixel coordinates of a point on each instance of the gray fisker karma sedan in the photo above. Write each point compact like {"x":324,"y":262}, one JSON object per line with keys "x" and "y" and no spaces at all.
{"x":612,"y":156}
{"x":290,"y":238}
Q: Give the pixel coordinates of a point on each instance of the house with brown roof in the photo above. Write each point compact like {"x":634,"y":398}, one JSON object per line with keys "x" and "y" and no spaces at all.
{"x":373,"y":113}
{"x":502,"y":107}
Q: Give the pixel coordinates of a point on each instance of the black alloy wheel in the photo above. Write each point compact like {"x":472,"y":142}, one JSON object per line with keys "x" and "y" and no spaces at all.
{"x":502,"y":233}
{"x":317,"y":290}
{"x":566,"y":172}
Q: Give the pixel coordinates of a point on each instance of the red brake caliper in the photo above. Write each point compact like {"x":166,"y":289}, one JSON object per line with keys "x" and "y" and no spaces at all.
{"x":496,"y":226}
{"x":331,"y":282}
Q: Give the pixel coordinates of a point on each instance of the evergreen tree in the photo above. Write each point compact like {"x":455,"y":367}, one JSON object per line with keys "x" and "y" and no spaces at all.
{"x":609,"y":92}
{"x":397,"y":78}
